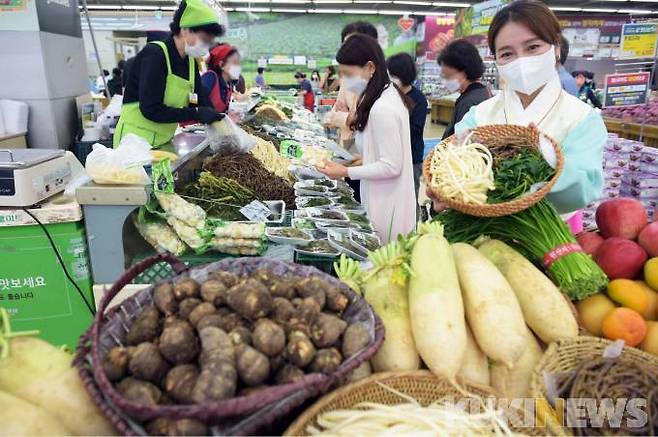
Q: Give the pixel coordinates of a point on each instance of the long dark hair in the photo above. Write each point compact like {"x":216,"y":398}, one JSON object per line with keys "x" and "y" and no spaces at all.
{"x":359,"y":50}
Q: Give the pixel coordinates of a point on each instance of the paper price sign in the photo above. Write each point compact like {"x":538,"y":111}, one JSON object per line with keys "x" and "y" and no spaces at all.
{"x":627,"y":89}
{"x":638,"y":40}
{"x":256,"y":211}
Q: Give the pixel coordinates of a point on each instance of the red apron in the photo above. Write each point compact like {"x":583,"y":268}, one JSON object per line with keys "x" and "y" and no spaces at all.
{"x":215,"y":95}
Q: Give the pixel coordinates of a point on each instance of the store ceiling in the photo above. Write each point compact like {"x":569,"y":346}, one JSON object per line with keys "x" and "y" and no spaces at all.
{"x":418,"y":7}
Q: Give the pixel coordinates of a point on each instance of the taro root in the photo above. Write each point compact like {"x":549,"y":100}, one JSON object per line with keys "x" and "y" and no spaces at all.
{"x":268,"y":337}
{"x":250,"y":299}
{"x":355,"y":338}
{"x":214,"y":319}
{"x":140,"y":392}
{"x":337,"y":301}
{"x":200,"y":311}
{"x":164,"y":298}
{"x":147,"y":364}
{"x":300,"y":350}
{"x":186,"y":307}
{"x":180,"y":381}
{"x":289,"y":374}
{"x":229,"y":279}
{"x":187,"y":427}
{"x":213,"y":291}
{"x":326,"y":361}
{"x":115,"y":363}
{"x":218,"y":380}
{"x":146,"y":327}
{"x":313,"y":287}
{"x":159,"y":426}
{"x":241,"y":334}
{"x":186,"y":288}
{"x":231,"y":321}
{"x":266,"y":277}
{"x":215,"y":344}
{"x":327,"y":329}
{"x":282,"y":310}
{"x":253,"y":366}
{"x":276,"y":363}
{"x":307,"y":310}
{"x":284,"y":288}
{"x":178,"y":343}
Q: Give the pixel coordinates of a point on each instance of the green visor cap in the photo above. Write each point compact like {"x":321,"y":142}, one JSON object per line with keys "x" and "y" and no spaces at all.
{"x":197,"y":13}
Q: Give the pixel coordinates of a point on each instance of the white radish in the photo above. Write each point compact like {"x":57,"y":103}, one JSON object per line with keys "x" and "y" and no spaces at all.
{"x":515,"y":383}
{"x":475,"y":366}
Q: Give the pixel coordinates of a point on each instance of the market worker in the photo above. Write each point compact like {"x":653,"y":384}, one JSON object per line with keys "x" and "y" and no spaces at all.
{"x":382,"y":134}
{"x":402,"y":70}
{"x":524,"y":37}
{"x":306,"y":91}
{"x":224,"y":70}
{"x":461,"y":70}
{"x":585,"y":91}
{"x":260,"y":78}
{"x":164,"y":87}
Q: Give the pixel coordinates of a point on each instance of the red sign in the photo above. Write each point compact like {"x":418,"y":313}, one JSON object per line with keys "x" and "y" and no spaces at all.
{"x":439,"y":31}
{"x":626,"y":89}
{"x":406,"y":23}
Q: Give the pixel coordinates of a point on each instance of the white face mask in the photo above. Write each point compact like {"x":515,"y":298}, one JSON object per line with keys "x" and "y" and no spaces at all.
{"x":396,"y":81}
{"x":527,"y":74}
{"x":234,"y":71}
{"x":452,"y":85}
{"x":198,"y":50}
{"x":355,"y":84}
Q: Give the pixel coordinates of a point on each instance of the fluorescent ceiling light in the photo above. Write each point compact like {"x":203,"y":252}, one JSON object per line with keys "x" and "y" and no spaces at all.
{"x":252,"y":9}
{"x":390,"y":12}
{"x":293,"y":2}
{"x":325,"y":11}
{"x":330,"y":2}
{"x":412,"y":2}
{"x":169,"y":8}
{"x":426,"y":12}
{"x":615,"y":1}
{"x":248,"y":1}
{"x":564,"y":8}
{"x":140,"y":8}
{"x":454,"y":5}
{"x":599,"y":10}
{"x":361,"y":11}
{"x":289,"y":11}
{"x":372,"y":2}
{"x":101,"y":7}
{"x":635,"y":11}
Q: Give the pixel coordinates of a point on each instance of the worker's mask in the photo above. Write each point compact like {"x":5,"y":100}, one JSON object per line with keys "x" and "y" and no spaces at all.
{"x":452,"y":85}
{"x":196,"y":49}
{"x":529,"y":73}
{"x":234,"y":71}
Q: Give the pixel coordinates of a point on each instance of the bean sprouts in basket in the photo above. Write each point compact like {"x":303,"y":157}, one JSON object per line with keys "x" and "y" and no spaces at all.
{"x":462,"y":171}
{"x":410,"y":418}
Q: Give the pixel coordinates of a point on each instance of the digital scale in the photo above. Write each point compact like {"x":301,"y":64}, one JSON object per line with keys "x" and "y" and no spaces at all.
{"x":28,"y":176}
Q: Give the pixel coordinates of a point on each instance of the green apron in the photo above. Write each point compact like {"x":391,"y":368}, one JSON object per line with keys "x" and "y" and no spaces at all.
{"x":176,"y":95}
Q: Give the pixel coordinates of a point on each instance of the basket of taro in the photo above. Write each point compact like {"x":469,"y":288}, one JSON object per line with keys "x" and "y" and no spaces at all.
{"x":227,"y":348}
{"x":494,"y":170}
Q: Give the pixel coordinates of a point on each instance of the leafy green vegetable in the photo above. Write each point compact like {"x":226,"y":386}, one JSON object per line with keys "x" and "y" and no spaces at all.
{"x":535,"y":232}
{"x":515,"y":177}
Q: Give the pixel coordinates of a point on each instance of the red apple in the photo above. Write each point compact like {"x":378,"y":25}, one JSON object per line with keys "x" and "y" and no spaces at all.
{"x":589,"y":241}
{"x":620,"y":258}
{"x":623,"y":218}
{"x":648,"y":239}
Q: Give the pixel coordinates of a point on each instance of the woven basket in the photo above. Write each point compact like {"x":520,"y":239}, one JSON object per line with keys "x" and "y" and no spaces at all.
{"x":240,"y":415}
{"x":422,"y":385}
{"x":486,"y":134}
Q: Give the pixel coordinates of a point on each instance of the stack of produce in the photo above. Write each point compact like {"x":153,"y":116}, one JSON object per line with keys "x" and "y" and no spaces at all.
{"x":270,"y":157}
{"x":250,"y":173}
{"x":239,"y":238}
{"x":622,"y":248}
{"x":230,"y":336}
{"x":646,"y":114}
{"x":457,"y":307}
{"x":271,"y":111}
{"x":40,"y":391}
{"x":220,"y":197}
{"x":185,"y":218}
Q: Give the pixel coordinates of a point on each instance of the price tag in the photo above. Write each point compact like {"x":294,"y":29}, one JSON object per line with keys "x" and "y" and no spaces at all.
{"x":256,"y":211}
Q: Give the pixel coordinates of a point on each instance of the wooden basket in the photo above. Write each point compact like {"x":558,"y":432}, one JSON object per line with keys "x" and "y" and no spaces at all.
{"x":491,"y":132}
{"x":421,"y":385}
{"x":568,"y":354}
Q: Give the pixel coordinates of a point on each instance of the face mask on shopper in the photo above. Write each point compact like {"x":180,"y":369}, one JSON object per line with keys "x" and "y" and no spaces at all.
{"x":198,"y":50}
{"x":355,"y":84}
{"x":452,"y":85}
{"x":527,"y":74}
{"x":234,"y":71}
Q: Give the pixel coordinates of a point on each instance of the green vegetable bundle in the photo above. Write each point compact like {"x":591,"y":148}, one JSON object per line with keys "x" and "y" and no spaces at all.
{"x":220,"y":197}
{"x":536,"y":231}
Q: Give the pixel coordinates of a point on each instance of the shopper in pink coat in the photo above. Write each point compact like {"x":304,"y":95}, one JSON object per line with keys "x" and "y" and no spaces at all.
{"x":381,"y":123}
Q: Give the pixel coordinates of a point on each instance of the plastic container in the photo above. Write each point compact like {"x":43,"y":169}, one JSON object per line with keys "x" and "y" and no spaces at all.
{"x":15,"y":116}
{"x":271,"y":234}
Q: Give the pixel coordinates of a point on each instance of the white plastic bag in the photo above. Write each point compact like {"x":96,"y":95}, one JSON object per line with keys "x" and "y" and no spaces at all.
{"x":227,"y":138}
{"x":121,"y":166}
{"x":108,"y":119}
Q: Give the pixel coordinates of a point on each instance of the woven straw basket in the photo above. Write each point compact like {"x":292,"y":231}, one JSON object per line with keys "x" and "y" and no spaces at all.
{"x":568,"y":354}
{"x":421,"y":385}
{"x":486,"y":134}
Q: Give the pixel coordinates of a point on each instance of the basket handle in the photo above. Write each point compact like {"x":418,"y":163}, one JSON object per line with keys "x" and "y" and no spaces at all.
{"x":127,"y":277}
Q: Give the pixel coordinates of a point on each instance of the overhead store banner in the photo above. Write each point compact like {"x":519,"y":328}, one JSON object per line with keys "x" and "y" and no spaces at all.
{"x":439,"y":31}
{"x":476,"y":19}
{"x":628,"y":89}
{"x":638,"y":40}
{"x":592,"y":35}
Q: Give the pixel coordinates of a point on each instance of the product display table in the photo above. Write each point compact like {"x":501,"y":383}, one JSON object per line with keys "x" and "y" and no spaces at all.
{"x":442,"y":110}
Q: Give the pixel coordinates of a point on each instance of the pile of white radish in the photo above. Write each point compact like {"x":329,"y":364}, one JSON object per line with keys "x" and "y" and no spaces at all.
{"x":469,"y":312}
{"x":410,"y":418}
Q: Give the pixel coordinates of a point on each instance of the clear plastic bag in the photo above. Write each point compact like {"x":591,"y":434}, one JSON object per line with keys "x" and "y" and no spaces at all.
{"x":121,"y":166}
{"x":227,"y":138}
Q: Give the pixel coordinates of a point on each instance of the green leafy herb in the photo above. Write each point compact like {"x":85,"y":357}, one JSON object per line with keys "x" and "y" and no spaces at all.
{"x":515,"y":176}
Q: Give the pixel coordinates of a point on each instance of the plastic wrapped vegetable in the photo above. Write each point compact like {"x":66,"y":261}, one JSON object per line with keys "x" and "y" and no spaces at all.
{"x":180,"y":209}
{"x":188,"y":234}
{"x":161,"y":236}
{"x":237,"y":242}
{"x":241,"y":230}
